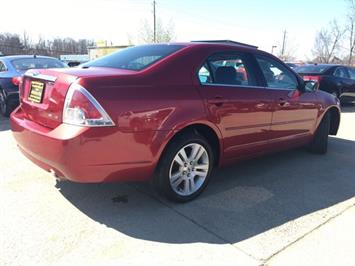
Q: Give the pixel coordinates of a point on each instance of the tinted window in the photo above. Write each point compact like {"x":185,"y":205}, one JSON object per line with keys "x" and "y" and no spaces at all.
{"x":2,"y":67}
{"x":277,"y":75}
{"x":312,"y":69}
{"x":135,"y":58}
{"x":32,"y":63}
{"x":227,"y":69}
{"x":341,"y":72}
{"x":351,"y":73}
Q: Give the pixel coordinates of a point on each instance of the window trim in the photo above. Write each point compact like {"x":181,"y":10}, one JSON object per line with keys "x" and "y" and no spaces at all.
{"x":240,"y":53}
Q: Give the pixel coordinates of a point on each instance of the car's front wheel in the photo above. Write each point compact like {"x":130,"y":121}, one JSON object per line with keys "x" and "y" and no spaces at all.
{"x":6,"y":105}
{"x":319,"y":143}
{"x":185,"y":168}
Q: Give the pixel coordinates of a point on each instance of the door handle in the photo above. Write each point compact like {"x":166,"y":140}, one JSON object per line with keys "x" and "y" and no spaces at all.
{"x":283,"y":102}
{"x":218,"y":101}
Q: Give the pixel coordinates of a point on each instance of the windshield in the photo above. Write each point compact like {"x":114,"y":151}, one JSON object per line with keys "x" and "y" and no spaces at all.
{"x":36,"y":63}
{"x":312,"y":69}
{"x":135,"y":58}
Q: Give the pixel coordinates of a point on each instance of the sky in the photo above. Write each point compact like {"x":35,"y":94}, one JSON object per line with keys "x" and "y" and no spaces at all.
{"x":258,"y":22}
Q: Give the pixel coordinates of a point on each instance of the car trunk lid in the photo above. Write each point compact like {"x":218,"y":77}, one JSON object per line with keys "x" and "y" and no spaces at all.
{"x":43,"y":92}
{"x":42,"y":95}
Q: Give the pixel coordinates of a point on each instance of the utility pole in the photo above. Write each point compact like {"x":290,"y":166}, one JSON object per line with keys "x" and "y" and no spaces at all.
{"x":283,"y":44}
{"x":155,"y":23}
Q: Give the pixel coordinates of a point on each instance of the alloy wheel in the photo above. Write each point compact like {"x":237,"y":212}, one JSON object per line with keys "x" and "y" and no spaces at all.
{"x":189,"y":169}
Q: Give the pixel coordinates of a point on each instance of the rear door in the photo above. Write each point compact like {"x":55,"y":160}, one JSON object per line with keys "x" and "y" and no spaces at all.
{"x":351,"y":91}
{"x":294,"y":112}
{"x":342,"y":80}
{"x":236,"y":102}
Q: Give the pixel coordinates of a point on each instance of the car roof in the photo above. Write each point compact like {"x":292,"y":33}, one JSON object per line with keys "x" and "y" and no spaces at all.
{"x":12,"y":57}
{"x":322,"y":65}
{"x":216,"y":43}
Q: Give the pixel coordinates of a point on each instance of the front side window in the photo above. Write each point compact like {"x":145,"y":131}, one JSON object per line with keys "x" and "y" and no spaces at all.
{"x":351,"y":73}
{"x":135,"y":58}
{"x":340,"y":72}
{"x":276,"y":75}
{"x":227,"y":69}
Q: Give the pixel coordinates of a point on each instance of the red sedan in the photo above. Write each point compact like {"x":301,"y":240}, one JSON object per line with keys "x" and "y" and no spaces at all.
{"x":168,"y":113}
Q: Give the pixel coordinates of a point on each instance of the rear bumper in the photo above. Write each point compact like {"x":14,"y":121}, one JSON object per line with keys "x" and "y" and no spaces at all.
{"x":86,"y":155}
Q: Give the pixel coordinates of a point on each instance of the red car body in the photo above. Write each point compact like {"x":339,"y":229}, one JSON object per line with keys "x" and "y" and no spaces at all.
{"x":150,"y":107}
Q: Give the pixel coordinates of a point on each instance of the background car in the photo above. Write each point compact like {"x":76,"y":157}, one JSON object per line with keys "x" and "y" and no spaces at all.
{"x":168,"y":113}
{"x":11,"y":70}
{"x":291,"y":65}
{"x":334,"y":79}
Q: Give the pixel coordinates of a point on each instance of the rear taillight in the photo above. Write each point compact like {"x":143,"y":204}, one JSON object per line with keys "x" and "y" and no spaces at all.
{"x":82,"y":109}
{"x":16,"y":81}
{"x":314,"y":78}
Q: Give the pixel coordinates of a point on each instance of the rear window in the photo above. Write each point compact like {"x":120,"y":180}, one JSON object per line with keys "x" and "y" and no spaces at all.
{"x":36,"y":63}
{"x":135,"y":58}
{"x":312,"y":69}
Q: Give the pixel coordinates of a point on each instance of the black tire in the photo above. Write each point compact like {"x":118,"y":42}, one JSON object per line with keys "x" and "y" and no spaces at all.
{"x":319,"y":143}
{"x":4,"y":104}
{"x":162,"y":179}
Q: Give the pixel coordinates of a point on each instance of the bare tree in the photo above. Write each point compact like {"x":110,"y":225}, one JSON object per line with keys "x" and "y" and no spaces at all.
{"x":350,"y":29}
{"x":327,"y":42}
{"x":163,"y":33}
{"x":11,"y":44}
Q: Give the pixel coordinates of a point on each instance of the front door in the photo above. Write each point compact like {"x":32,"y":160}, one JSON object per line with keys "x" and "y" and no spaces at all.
{"x":236,"y":103}
{"x":294,"y":112}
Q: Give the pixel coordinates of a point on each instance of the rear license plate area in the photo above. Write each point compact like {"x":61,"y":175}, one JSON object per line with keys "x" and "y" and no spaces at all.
{"x":36,"y":92}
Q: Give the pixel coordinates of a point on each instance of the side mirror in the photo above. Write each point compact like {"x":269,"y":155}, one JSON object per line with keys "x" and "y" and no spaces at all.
{"x":311,"y":85}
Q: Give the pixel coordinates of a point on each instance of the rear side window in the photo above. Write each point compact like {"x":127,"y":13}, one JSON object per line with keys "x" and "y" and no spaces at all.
{"x":2,"y":67}
{"x":36,"y":63}
{"x":276,"y":75}
{"x":227,"y":69}
{"x":135,"y":58}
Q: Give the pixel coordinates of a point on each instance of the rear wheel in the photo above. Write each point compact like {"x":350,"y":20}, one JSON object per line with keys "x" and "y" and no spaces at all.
{"x":319,"y":143}
{"x":185,"y":167}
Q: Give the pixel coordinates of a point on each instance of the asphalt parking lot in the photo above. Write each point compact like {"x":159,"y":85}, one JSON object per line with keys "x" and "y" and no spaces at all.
{"x":291,"y":208}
